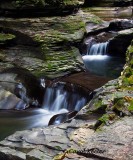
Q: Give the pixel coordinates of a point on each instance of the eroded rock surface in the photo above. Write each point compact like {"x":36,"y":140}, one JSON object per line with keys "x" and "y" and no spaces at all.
{"x":45,"y":45}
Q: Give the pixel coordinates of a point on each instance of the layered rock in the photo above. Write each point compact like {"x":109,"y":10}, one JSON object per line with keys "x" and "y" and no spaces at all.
{"x":108,"y":13}
{"x":108,"y":3}
{"x":45,"y":45}
{"x":122,"y":39}
{"x":39,"y":7}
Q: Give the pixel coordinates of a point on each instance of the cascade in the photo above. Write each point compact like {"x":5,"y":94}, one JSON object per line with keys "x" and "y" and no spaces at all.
{"x":98,"y":49}
{"x":58,"y":97}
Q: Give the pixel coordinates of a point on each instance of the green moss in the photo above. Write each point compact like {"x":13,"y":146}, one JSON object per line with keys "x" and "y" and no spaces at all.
{"x":6,"y":37}
{"x":127,"y":74}
{"x":2,"y":56}
{"x":43,"y":3}
{"x":130,"y":49}
{"x":130,"y":108}
{"x":59,"y":156}
{"x":71,"y":150}
{"x":98,"y":104}
{"x":29,"y":3}
{"x":118,"y":104}
{"x":58,"y":147}
{"x":104,"y":118}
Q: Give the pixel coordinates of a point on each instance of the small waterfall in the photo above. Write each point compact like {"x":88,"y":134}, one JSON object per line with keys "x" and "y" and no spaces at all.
{"x":60,"y":97}
{"x":98,"y":49}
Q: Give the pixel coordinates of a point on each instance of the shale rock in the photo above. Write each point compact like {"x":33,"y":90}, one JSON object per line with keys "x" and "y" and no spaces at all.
{"x":123,"y":40}
{"x":108,"y":3}
{"x":39,"y":7}
{"x":47,"y":45}
{"x":111,"y":13}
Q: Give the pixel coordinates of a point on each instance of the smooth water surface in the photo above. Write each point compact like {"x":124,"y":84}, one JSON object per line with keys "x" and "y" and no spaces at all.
{"x":104,"y":65}
{"x":11,"y":121}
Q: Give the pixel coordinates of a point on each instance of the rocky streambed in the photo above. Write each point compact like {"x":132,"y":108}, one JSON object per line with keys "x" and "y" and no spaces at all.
{"x":37,"y":47}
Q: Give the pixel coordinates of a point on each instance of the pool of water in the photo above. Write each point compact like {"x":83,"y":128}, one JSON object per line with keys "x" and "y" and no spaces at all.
{"x":11,"y":121}
{"x":59,"y":98}
{"x":104,"y":65}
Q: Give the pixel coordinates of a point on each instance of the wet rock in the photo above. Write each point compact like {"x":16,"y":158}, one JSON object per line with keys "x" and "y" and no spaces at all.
{"x":60,"y":118}
{"x":19,"y":82}
{"x":121,"y":24}
{"x":10,"y":101}
{"x":123,"y":40}
{"x":86,"y":80}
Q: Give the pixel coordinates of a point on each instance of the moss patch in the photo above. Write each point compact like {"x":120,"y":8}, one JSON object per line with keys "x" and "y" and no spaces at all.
{"x":6,"y":37}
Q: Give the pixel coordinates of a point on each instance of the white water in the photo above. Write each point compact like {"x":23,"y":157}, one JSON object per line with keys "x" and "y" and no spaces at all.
{"x":98,"y":49}
{"x":57,"y":98}
{"x":104,"y":65}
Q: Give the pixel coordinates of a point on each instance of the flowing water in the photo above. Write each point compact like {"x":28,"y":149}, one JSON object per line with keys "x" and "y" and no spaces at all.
{"x":98,"y":49}
{"x":98,"y":62}
{"x":58,"y":99}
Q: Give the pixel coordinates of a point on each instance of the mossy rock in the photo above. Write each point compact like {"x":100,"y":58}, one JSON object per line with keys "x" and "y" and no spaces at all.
{"x":34,"y":4}
{"x":4,"y":38}
{"x":127,"y":74}
{"x":130,"y":108}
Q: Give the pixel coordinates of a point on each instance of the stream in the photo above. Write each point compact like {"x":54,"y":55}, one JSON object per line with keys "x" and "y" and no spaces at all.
{"x":59,"y":99}
{"x":99,"y":62}
{"x":104,"y":65}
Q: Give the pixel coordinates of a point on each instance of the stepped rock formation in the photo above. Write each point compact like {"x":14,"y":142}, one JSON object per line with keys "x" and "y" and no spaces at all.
{"x":48,"y":46}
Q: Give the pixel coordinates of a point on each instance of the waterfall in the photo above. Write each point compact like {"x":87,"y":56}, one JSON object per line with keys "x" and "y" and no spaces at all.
{"x":58,"y":97}
{"x":98,"y":49}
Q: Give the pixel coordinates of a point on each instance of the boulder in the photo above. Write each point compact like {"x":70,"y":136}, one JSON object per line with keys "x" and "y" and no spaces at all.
{"x":118,"y":45}
{"x":121,"y":24}
{"x":10,"y":101}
